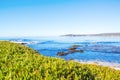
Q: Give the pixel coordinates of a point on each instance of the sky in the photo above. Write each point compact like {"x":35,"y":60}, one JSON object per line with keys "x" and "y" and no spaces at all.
{"x":58,"y":17}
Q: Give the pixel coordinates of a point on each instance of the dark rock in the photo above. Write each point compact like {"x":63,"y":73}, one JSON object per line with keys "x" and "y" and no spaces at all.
{"x":77,"y":51}
{"x":23,"y":43}
{"x":70,"y":50}
{"x":74,"y":47}
{"x":62,"y":53}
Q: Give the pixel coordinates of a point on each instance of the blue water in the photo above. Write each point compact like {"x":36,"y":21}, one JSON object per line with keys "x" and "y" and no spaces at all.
{"x":95,"y":48}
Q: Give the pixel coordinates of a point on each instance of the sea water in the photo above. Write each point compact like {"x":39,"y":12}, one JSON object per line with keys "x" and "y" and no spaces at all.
{"x":104,"y":49}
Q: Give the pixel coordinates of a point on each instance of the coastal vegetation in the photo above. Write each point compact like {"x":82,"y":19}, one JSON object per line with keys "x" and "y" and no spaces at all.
{"x":18,"y":62}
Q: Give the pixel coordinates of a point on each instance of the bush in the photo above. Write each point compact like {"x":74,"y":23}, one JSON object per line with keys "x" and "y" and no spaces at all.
{"x":18,"y":62}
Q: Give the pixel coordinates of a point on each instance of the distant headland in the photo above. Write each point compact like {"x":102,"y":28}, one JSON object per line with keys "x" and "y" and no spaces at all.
{"x":101,"y":34}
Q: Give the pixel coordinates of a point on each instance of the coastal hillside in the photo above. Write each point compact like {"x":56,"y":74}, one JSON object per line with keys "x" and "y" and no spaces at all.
{"x":18,"y":62}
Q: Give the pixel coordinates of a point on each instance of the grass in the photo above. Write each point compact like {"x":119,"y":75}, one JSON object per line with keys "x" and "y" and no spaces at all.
{"x":18,"y":62}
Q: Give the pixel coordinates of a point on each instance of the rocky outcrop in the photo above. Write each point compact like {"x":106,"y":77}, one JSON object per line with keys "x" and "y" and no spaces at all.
{"x":93,"y":48}
{"x":70,"y":50}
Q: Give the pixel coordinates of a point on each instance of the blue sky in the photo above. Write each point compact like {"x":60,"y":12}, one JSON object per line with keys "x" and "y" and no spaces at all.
{"x":58,"y":17}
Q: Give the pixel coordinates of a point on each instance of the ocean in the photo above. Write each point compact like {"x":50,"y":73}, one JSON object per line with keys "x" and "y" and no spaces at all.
{"x":102,"y":49}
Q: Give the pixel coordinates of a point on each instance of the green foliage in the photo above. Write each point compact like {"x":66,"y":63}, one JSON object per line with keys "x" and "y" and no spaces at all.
{"x":18,"y":62}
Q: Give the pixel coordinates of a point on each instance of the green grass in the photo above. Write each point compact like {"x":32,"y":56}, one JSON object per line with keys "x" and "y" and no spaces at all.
{"x":18,"y":62}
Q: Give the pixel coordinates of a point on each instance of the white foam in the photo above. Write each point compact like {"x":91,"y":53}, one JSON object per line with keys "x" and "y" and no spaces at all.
{"x":115,"y":65}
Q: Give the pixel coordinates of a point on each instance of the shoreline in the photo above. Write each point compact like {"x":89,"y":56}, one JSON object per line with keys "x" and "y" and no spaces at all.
{"x":112,"y":65}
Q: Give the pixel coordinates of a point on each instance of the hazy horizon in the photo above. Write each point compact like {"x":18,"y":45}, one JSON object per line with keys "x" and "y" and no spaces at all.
{"x":58,"y":17}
